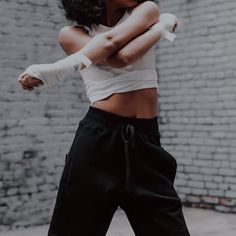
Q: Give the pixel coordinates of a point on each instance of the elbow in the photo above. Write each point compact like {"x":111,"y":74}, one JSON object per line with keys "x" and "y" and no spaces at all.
{"x":111,"y":43}
{"x":119,"y":60}
{"x":124,"y":60}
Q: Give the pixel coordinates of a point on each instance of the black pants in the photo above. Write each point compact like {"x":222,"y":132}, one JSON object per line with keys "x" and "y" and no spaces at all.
{"x":117,"y":161}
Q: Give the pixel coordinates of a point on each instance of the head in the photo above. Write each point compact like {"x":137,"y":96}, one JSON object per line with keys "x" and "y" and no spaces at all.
{"x":88,"y":12}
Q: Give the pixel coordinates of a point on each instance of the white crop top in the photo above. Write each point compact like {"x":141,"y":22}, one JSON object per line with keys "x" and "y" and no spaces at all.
{"x":102,"y":81}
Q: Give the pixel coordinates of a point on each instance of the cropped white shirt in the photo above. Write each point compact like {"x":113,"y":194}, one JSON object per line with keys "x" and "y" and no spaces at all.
{"x":102,"y":81}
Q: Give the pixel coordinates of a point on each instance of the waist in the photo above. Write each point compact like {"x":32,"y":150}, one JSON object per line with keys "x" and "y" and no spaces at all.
{"x":113,"y":121}
{"x":140,"y":103}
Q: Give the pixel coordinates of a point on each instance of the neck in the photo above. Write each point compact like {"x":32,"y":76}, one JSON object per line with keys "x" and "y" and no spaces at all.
{"x":113,"y":13}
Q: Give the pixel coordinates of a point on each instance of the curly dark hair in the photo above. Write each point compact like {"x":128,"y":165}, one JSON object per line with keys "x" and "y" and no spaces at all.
{"x":84,"y":12}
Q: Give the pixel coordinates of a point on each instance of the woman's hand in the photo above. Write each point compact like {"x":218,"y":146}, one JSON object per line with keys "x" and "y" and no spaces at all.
{"x":28,"y":83}
{"x":166,"y":26}
{"x":170,"y":20}
{"x":175,"y":27}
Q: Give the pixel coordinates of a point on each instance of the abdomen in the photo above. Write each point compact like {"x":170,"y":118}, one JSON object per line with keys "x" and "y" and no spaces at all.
{"x":138,"y":103}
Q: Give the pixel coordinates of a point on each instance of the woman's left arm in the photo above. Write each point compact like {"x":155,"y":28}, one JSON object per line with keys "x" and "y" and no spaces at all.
{"x":136,"y":48}
{"x":72,"y":39}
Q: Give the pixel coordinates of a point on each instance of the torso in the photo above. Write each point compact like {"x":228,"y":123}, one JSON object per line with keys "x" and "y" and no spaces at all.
{"x":142,"y":103}
{"x":137,"y":104}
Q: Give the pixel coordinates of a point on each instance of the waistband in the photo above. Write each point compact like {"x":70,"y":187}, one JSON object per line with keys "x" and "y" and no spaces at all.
{"x":113,"y":121}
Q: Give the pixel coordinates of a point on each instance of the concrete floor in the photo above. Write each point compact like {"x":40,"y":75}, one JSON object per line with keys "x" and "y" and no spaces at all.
{"x":200,"y":223}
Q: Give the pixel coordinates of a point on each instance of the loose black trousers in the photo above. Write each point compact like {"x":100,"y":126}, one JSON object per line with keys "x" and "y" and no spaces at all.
{"x":117,"y":161}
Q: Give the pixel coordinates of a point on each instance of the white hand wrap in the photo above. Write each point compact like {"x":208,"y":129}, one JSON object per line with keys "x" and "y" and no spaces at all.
{"x":166,"y":25}
{"x":50,"y":74}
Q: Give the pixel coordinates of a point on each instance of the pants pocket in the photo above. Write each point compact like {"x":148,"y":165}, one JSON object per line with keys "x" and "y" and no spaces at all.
{"x":66,"y":170}
{"x":156,"y":157}
{"x":172,"y":166}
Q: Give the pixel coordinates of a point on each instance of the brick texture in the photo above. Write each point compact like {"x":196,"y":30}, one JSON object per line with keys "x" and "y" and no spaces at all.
{"x":197,"y":107}
{"x":198,"y":102}
{"x":36,"y":128}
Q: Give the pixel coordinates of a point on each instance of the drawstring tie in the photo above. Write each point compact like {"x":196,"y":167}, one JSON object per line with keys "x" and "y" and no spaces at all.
{"x":128,"y":136}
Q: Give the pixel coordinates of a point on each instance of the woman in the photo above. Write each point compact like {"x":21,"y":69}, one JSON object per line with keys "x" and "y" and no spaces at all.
{"x":116,"y":158}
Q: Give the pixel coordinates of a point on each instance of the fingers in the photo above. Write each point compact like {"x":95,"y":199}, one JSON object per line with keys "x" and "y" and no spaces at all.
{"x":175,"y":27}
{"x":26,"y":87}
{"x":28,"y":83}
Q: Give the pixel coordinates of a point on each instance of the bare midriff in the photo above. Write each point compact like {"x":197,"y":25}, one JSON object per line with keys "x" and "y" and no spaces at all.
{"x":140,"y":103}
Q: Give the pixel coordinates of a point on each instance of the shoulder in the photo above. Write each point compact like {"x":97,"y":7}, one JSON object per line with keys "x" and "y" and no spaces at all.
{"x":69,"y":30}
{"x":69,"y":33}
{"x":147,"y":6}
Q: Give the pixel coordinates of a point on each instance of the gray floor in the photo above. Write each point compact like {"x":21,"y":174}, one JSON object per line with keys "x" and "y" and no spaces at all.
{"x":200,"y":223}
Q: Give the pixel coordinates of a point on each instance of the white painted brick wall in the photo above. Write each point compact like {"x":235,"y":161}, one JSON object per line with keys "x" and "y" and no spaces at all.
{"x":198,"y":100}
{"x":36,"y":128}
{"x":197,"y":104}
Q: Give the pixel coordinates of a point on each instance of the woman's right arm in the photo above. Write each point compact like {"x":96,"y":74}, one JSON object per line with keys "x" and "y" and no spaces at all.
{"x":98,"y":48}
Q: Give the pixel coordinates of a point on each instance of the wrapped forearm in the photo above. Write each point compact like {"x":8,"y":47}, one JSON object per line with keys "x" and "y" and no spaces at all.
{"x":166,"y":25}
{"x":50,"y":74}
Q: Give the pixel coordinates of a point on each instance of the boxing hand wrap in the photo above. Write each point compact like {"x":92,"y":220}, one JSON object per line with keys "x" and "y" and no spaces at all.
{"x":166,"y":25}
{"x":50,"y":74}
